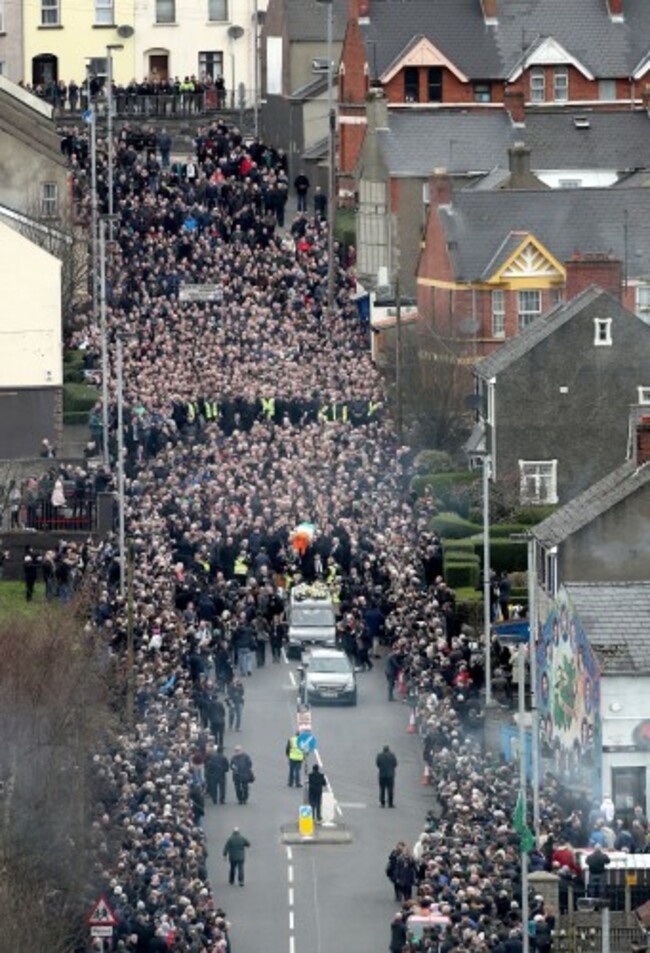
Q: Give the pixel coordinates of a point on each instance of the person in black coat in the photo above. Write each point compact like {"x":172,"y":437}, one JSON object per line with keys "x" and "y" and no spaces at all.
{"x":386,"y":765}
{"x":317,"y":782}
{"x":216,"y":769}
{"x":398,"y":933}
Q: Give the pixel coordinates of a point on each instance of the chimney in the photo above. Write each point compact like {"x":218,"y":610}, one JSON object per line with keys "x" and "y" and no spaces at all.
{"x":645,"y":98}
{"x":489,"y":8}
{"x":642,"y":447}
{"x":364,"y":9}
{"x":615,"y":10}
{"x":376,"y":109}
{"x":514,"y":102}
{"x":582,"y":271}
{"x":519,"y":159}
{"x":440,"y":187}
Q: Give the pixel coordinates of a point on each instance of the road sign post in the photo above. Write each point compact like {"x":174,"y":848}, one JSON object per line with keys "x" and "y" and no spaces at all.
{"x":102,"y":920}
{"x":306,"y":821}
{"x":307,"y":742}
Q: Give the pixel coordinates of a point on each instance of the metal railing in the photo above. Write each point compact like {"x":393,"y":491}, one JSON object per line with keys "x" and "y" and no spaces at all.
{"x":168,"y":104}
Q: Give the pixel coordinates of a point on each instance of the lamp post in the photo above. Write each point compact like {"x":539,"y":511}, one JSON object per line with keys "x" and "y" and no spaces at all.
{"x":120,"y":464}
{"x":487,"y":601}
{"x":331,"y":144}
{"x":109,"y":127}
{"x":92,"y":120}
{"x":256,"y":74}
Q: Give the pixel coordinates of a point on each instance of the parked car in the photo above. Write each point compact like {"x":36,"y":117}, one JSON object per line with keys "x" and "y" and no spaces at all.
{"x":327,"y":676}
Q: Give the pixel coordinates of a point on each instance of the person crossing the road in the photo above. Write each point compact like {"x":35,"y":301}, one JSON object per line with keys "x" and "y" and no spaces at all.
{"x":242,"y":773}
{"x":296,"y":758}
{"x":216,"y":769}
{"x":386,"y":764}
{"x":235,"y":850}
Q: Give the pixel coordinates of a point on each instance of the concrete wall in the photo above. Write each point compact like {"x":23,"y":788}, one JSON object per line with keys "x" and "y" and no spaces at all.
{"x":23,"y":172}
{"x":26,"y":416}
{"x":11,"y":43}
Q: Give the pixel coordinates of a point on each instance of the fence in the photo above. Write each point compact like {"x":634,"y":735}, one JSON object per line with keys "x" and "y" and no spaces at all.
{"x":79,"y":513}
{"x":169,"y":104}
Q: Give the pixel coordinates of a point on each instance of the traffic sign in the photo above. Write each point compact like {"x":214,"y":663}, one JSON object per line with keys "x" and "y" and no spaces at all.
{"x":101,"y":931}
{"x":307,"y":741}
{"x":102,"y":915}
{"x":88,"y":116}
{"x":306,"y":821}
{"x":304,"y":721}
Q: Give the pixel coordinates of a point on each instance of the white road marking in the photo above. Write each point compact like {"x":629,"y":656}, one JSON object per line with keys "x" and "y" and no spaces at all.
{"x":289,"y":853}
{"x":292,"y":679}
{"x":292,"y":944}
{"x":353,"y":805}
{"x":290,"y":896}
{"x":291,"y":919}
{"x":284,"y":657}
{"x":290,"y":873}
{"x":318,"y":757}
{"x":338,"y":809}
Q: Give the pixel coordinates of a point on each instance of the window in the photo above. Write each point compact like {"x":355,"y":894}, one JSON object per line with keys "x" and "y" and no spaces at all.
{"x":211,"y":64}
{"x":537,"y":85}
{"x":643,"y":302}
{"x":643,"y":395}
{"x":560,"y":84}
{"x":217,"y":10}
{"x":557,"y":295}
{"x":104,"y":13}
{"x":50,"y":13}
{"x":498,"y":314}
{"x":538,"y":481}
{"x":530,"y":307}
{"x":165,"y":11}
{"x":602,"y":332}
{"x":49,"y":200}
{"x":411,"y":84}
{"x":98,"y":67}
{"x":607,"y":90}
{"x":482,"y":92}
{"x":435,"y":84}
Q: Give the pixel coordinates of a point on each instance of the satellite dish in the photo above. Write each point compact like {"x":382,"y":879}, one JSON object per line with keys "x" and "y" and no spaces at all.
{"x":234,"y":32}
{"x":469,"y":325}
{"x":125,"y":31}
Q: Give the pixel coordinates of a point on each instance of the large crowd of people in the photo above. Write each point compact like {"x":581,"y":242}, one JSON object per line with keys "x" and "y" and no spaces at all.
{"x":247,"y":414}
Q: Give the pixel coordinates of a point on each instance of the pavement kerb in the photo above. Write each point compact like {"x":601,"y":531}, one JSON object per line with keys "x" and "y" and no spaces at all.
{"x":339,"y":834}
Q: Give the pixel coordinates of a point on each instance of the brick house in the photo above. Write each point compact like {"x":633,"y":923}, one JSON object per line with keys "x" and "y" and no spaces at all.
{"x":553,"y":403}
{"x":481,"y":55}
{"x":492,"y":262}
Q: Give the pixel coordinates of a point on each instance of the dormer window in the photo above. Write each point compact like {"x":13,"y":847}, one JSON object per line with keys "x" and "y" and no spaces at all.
{"x":603,"y":332}
{"x":643,"y":395}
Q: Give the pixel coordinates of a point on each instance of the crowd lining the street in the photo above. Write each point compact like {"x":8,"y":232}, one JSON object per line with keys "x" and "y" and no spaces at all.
{"x":226,"y":453}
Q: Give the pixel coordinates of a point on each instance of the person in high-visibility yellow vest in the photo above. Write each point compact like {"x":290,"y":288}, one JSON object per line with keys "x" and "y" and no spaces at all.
{"x":241,"y":567}
{"x":296,"y":758}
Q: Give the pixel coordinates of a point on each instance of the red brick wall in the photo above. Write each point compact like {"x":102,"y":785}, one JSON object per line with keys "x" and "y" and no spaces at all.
{"x":583,"y":272}
{"x":353,"y":86}
{"x":454,"y":91}
{"x":351,"y":136}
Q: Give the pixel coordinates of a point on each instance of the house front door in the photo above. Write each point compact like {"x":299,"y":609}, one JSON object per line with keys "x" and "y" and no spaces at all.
{"x":159,"y":66}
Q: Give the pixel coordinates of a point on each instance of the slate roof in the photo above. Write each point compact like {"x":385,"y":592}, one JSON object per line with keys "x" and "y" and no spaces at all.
{"x":614,"y":140}
{"x":307,"y":20}
{"x":515,"y":348}
{"x":616,"y":619}
{"x":417,"y":142}
{"x":457,"y":29}
{"x":563,"y":220}
{"x":592,"y":503}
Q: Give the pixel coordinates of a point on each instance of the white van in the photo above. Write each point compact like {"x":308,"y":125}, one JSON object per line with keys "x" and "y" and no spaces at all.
{"x":312,"y":620}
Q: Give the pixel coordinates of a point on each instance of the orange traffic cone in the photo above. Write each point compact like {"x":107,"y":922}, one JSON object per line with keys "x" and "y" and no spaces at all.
{"x":412,"y":728}
{"x":425,"y":774}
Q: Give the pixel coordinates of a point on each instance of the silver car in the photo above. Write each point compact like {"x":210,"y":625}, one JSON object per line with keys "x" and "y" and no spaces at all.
{"x":327,"y":677}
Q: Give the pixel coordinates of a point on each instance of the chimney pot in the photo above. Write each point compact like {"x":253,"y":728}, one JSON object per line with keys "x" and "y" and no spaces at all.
{"x":514,"y":101}
{"x":440,"y":187}
{"x":364,"y":8}
{"x":615,"y":9}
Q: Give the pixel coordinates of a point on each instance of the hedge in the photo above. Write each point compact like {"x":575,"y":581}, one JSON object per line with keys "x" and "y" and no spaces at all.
{"x":78,"y":398}
{"x":464,"y":575}
{"x":453,"y":526}
{"x":458,"y":545}
{"x":530,"y":515}
{"x":461,"y":557}
{"x":433,"y":461}
{"x":504,"y":530}
{"x":73,"y":367}
{"x":506,"y":555}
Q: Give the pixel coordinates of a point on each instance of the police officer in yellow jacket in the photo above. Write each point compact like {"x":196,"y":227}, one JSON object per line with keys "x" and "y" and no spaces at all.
{"x":296,"y":758}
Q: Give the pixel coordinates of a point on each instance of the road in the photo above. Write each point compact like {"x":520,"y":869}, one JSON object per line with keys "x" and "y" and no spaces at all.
{"x":317,"y":898}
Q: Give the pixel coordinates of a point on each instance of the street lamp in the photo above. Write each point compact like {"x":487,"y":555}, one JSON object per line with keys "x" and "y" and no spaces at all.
{"x":234,"y":33}
{"x":487,"y":601}
{"x":331,"y":139}
{"x":109,"y":126}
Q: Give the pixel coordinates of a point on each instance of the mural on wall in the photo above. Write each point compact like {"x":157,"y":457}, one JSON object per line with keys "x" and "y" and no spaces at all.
{"x":568,"y":700}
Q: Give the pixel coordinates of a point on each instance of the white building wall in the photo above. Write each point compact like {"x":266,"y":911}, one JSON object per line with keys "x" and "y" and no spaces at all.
{"x":625,"y":703}
{"x":30,"y":318}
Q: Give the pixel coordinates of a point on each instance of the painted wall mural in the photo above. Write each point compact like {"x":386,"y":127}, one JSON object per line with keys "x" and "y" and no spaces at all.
{"x":568,"y":700}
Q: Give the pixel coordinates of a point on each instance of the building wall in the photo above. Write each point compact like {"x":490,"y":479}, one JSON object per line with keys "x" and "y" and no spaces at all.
{"x":410,"y":210}
{"x":26,"y":417}
{"x":30,"y":321}
{"x":615,"y":547}
{"x":11,"y":43}
{"x":23,"y":172}
{"x":630,"y":696}
{"x":77,"y":37}
{"x":584,"y":428}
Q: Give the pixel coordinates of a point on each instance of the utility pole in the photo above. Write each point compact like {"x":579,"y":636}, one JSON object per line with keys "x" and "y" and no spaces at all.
{"x":532,"y":662}
{"x":398,"y":359}
{"x":256,"y":70}
{"x":104,"y":337}
{"x":521,"y":660}
{"x":331,"y":161}
{"x":109,"y":129}
{"x":130,"y":646}
{"x":93,"y":191}
{"x":487,"y":601}
{"x":120,"y":463}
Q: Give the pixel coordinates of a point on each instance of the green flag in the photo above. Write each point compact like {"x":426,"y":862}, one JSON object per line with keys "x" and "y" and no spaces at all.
{"x":527,"y":840}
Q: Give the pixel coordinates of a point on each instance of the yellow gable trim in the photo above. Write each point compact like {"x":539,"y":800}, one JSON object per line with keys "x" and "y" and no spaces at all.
{"x":529,"y":261}
{"x":423,"y":53}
